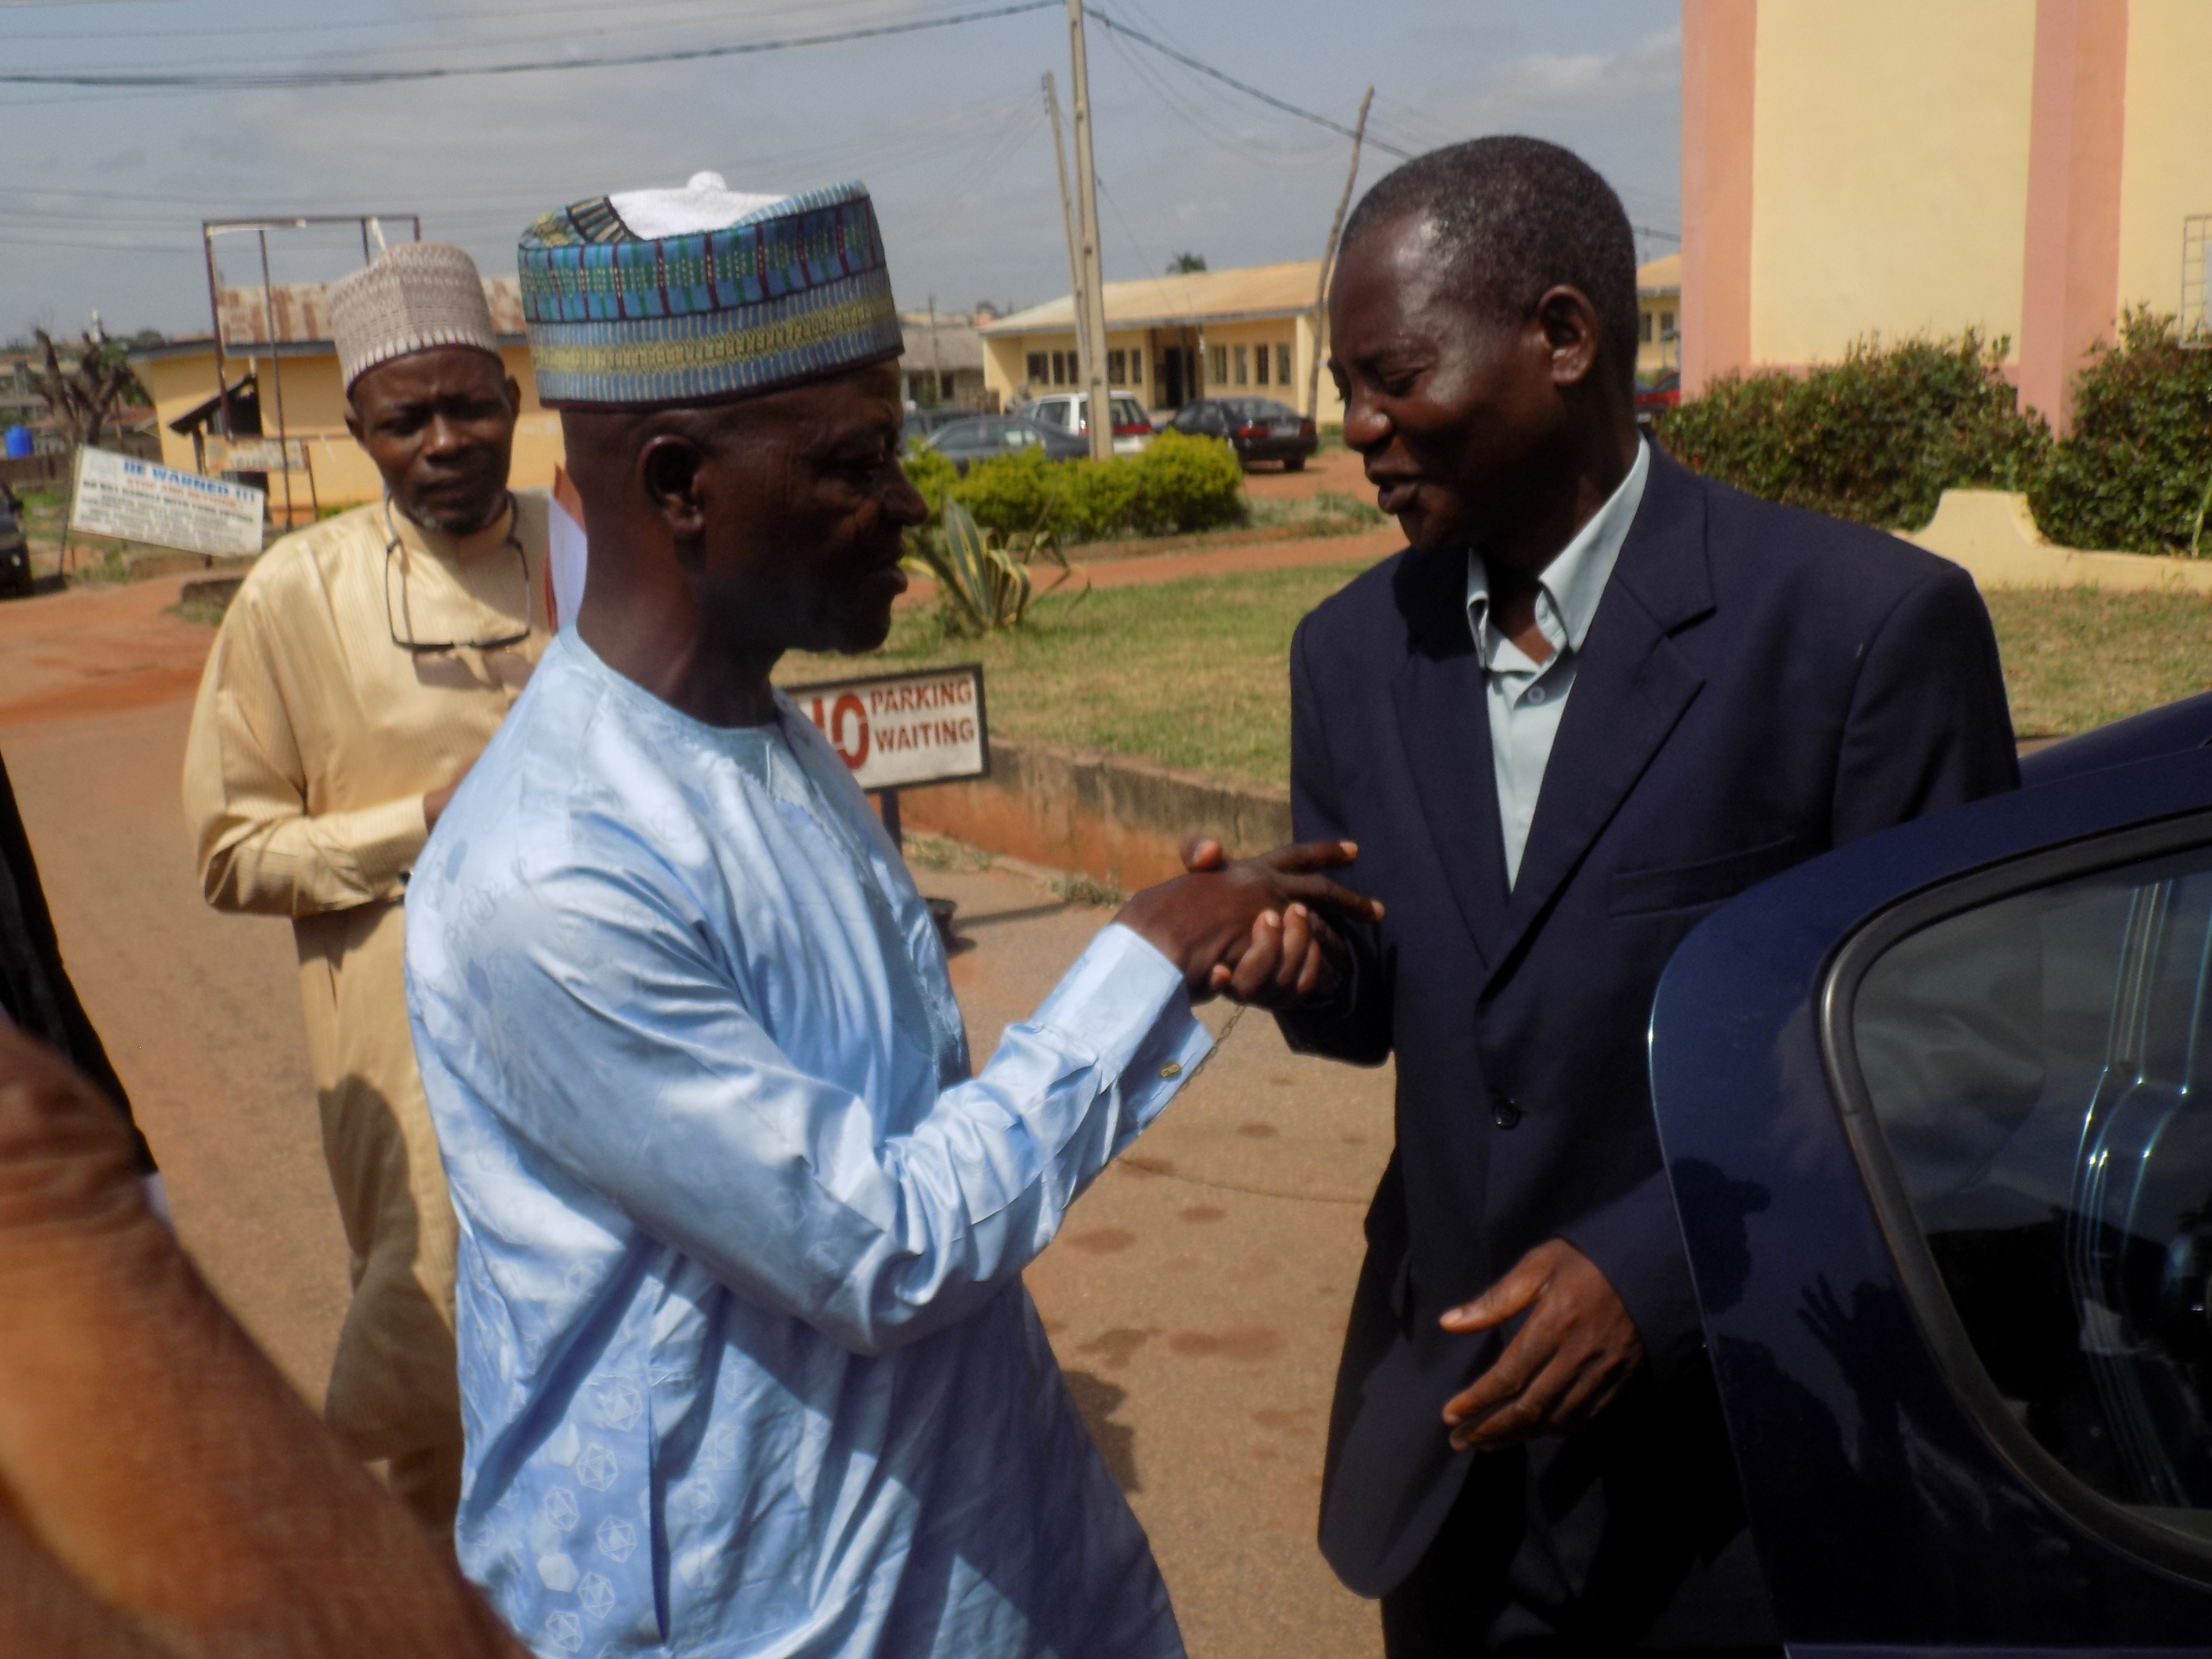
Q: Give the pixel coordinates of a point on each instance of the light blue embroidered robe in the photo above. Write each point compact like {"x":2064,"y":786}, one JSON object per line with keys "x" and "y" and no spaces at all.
{"x":747,"y":1367}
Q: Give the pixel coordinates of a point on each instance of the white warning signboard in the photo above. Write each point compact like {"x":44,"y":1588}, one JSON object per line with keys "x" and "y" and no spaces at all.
{"x":117,"y":496}
{"x":899,"y":731}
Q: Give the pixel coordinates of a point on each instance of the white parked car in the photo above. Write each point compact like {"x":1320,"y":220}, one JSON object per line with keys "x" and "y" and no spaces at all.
{"x":1070,"y":411}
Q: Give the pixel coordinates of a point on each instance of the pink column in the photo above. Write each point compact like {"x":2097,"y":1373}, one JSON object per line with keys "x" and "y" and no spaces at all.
{"x":2070,"y":275}
{"x":1719,"y":77}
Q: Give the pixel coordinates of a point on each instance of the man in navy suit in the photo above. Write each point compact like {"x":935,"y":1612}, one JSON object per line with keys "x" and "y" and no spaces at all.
{"x":1595,"y":697}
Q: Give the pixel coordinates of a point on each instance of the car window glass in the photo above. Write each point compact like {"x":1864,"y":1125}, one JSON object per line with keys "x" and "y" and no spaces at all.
{"x":1053,"y":413}
{"x":2040,"y":1071}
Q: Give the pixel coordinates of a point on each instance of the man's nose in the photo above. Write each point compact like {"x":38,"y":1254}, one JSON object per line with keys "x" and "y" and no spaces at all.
{"x":444,"y":437}
{"x":1366,"y":426}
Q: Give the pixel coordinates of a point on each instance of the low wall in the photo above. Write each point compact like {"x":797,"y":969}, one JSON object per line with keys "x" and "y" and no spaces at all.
{"x":1992,"y":534}
{"x":1108,"y":817}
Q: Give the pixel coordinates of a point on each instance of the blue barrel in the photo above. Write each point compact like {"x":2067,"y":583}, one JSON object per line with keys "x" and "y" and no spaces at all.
{"x":19,"y":443}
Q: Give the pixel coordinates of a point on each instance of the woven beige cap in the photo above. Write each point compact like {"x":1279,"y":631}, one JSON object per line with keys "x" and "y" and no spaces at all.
{"x":417,"y":296}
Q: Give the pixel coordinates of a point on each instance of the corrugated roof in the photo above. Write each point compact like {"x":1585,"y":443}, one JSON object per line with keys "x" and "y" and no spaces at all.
{"x":302,"y":311}
{"x":954,"y":345}
{"x":1198,"y":296}
{"x":1662,"y":276}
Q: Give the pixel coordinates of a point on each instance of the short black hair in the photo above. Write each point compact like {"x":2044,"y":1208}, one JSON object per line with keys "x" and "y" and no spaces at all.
{"x":1514,"y":217}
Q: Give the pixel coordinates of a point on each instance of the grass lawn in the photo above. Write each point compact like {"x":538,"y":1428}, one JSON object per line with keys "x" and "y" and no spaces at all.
{"x":1193,"y":673}
{"x":2078,"y":658}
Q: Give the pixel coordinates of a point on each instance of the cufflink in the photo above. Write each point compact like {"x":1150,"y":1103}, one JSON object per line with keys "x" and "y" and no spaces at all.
{"x":1172,"y":1071}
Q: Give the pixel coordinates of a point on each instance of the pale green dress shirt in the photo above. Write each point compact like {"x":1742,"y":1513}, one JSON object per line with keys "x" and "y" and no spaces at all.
{"x":1526,"y":698}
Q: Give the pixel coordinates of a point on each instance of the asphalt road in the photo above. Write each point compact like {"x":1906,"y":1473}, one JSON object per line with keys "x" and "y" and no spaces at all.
{"x":1195,"y":1298}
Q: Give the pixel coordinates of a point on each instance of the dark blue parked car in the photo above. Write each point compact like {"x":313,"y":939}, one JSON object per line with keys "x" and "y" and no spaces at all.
{"x":1937,"y":1109}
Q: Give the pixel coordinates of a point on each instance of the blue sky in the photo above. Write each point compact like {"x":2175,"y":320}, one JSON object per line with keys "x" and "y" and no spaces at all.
{"x":103,"y":192}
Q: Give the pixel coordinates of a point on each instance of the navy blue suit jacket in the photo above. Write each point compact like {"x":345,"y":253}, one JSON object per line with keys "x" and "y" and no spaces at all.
{"x":1759,"y":684}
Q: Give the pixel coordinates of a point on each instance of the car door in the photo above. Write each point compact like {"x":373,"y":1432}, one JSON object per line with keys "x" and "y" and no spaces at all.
{"x":1937,"y":1109}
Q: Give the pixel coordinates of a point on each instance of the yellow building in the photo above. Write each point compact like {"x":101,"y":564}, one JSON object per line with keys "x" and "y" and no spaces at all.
{"x":1894,"y":167}
{"x":327,"y":467}
{"x":1659,"y":317}
{"x":1170,"y":339}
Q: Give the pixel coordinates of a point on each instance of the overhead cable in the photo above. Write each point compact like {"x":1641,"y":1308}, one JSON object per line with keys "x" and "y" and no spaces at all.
{"x":1107,"y":21}
{"x":1114,"y":26}
{"x":286,"y":81}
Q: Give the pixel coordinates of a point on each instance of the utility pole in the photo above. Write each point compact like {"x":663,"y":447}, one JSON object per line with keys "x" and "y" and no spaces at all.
{"x":1067,"y":223}
{"x":1086,"y":199}
{"x":1329,"y":258}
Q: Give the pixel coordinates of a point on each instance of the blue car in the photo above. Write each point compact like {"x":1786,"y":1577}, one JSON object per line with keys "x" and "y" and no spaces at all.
{"x":1937,"y":1112}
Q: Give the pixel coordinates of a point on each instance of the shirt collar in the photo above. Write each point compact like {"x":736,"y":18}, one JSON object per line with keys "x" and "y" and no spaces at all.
{"x":1574,"y":582}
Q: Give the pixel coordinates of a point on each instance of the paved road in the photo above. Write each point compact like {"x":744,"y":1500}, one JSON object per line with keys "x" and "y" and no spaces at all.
{"x":1196,"y":1297}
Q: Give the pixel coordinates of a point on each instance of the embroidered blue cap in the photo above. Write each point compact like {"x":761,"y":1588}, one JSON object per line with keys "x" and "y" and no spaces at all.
{"x":651,"y":298}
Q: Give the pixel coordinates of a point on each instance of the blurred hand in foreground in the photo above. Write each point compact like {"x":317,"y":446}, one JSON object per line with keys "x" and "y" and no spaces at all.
{"x":163,"y":1490}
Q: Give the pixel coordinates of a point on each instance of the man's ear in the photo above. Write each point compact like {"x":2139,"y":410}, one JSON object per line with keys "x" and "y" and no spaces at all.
{"x":353,"y":419}
{"x":667,"y":471}
{"x":513,"y":396}
{"x":1571,"y":324}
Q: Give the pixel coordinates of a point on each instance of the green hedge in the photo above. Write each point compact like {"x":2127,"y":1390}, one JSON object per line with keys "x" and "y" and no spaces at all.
{"x":1179,"y":484}
{"x":2133,"y":473}
{"x":1876,"y":438}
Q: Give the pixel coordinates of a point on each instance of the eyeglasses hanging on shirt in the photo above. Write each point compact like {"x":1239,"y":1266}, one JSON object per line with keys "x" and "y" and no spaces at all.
{"x":391,"y":617}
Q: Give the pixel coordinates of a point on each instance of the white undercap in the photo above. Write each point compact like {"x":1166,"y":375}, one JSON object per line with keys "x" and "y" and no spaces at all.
{"x":705,"y":203}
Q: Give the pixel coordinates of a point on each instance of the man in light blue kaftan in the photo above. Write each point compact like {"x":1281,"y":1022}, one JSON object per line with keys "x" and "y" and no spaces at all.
{"x":746,"y":1365}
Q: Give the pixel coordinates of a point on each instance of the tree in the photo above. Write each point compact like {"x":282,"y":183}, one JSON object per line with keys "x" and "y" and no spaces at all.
{"x":84,"y":395}
{"x":1183,"y":263}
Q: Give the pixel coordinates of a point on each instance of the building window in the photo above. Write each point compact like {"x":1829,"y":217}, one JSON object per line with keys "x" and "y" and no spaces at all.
{"x":1243,"y":366}
{"x":1218,"y":370}
{"x":1260,"y":365}
{"x":1646,"y":321}
{"x":1666,"y":324}
{"x":1116,"y":362}
{"x":1063,"y":373}
{"x":1038,"y":371}
{"x":1136,"y":368}
{"x":945,"y":386}
{"x":1282,"y":363}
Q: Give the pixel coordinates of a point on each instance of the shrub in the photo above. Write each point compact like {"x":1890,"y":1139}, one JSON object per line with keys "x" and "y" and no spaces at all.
{"x":2133,"y":473}
{"x":1013,"y":493}
{"x":983,"y":583}
{"x":1185,"y":483}
{"x":1876,"y":438}
{"x":1179,"y":484}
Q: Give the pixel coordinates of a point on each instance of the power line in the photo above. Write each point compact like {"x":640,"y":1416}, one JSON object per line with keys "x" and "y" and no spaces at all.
{"x":1283,"y":105}
{"x":496,"y":16}
{"x":1244,"y":87}
{"x":286,"y":81}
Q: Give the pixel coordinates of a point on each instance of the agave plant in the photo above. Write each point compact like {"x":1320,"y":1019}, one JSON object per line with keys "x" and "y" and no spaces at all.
{"x":983,"y":577}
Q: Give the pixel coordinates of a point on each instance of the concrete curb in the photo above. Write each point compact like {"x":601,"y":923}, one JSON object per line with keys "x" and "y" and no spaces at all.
{"x":1106,"y":815}
{"x":1993,"y":534}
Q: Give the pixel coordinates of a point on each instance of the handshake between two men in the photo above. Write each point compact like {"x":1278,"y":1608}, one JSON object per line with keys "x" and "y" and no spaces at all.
{"x":1575,"y":1346}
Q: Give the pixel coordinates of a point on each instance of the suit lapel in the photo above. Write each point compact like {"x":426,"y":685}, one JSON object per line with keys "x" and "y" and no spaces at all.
{"x":1444,"y":723}
{"x":1631,"y":687}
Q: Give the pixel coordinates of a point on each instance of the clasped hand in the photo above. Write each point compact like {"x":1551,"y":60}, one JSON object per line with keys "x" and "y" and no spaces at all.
{"x":1257,"y":929}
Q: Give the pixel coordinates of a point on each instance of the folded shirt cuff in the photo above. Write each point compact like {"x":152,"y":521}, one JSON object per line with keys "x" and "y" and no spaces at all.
{"x":1125,"y":1002}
